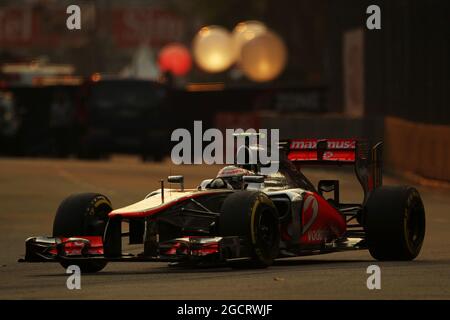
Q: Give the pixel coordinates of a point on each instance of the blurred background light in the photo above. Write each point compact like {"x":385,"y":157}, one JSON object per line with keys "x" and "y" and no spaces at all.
{"x":264,"y":57}
{"x":213,"y":49}
{"x":96,"y":77}
{"x":244,"y":32}
{"x":175,"y":58}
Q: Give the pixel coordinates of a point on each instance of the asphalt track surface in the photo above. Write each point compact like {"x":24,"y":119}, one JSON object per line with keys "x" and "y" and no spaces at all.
{"x":30,"y":191}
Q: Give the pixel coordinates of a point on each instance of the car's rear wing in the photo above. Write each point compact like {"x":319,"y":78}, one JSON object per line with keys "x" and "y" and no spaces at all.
{"x":323,"y":151}
{"x":367,"y":159}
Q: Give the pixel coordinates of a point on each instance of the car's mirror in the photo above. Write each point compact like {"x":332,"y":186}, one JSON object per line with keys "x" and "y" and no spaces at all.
{"x":326,"y":186}
{"x":176,"y":179}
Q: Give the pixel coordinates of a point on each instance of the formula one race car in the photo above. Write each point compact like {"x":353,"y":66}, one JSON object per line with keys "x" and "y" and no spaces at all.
{"x":244,"y":219}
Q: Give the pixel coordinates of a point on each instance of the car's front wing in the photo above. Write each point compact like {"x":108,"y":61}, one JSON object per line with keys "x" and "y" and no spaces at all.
{"x":186,"y":249}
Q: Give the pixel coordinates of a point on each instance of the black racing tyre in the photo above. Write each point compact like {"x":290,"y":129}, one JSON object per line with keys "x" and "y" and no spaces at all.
{"x":252,"y":215}
{"x":394,"y":221}
{"x":83,"y":214}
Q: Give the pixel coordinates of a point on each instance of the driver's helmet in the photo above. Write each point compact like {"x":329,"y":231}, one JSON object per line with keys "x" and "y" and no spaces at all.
{"x":233,"y":176}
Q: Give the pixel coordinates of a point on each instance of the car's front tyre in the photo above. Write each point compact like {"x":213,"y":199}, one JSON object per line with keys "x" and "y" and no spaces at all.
{"x":83,"y":214}
{"x":253,"y":216}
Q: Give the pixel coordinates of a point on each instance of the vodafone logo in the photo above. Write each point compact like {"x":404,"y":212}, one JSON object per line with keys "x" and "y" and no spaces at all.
{"x":310,"y":210}
{"x":317,"y":235}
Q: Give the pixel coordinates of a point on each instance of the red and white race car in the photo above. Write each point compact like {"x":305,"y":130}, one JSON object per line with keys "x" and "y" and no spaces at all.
{"x":243,"y":218}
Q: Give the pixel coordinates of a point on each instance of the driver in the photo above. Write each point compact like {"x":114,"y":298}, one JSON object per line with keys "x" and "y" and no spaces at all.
{"x":232,"y":175}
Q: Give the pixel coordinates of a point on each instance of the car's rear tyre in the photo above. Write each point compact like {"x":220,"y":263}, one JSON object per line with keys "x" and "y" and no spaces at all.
{"x":253,"y":216}
{"x":83,"y":214}
{"x":395,"y":223}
